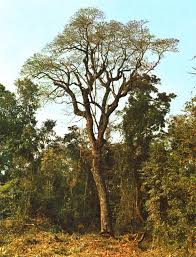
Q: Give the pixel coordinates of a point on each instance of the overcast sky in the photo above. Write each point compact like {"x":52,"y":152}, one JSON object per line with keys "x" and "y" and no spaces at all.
{"x":27,"y":25}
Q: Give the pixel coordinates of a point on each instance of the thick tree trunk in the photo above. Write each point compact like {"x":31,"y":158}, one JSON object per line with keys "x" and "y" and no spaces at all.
{"x":105,"y":217}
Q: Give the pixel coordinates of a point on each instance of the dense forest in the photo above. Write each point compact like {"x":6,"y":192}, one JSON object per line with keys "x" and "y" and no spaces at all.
{"x":130,"y":170}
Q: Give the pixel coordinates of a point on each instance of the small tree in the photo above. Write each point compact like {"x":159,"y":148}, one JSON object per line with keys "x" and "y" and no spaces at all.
{"x":95,"y":63}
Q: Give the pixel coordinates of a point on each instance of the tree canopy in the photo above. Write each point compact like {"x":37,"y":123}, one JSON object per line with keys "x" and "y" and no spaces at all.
{"x":96,"y":62}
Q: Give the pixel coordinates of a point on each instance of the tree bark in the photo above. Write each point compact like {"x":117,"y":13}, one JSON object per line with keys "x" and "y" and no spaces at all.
{"x":137,"y":205}
{"x":105,"y":217}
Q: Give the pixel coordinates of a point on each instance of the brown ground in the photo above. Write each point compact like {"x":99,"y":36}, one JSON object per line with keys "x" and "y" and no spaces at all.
{"x":34,"y":241}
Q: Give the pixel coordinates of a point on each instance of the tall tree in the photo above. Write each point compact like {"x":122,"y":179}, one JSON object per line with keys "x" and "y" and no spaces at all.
{"x":95,"y":63}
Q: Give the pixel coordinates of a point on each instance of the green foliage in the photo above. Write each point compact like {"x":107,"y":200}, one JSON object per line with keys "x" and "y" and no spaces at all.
{"x":83,"y":202}
{"x":143,"y":120}
{"x":168,"y":179}
{"x":151,"y":172}
{"x":19,"y":149}
{"x":41,"y":174}
{"x":149,"y":175}
{"x":9,"y":128}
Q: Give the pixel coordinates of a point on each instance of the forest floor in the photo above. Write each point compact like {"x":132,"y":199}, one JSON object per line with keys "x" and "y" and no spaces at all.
{"x":31,"y":240}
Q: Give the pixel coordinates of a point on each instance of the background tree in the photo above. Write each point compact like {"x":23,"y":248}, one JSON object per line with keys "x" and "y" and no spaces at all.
{"x":8,"y":127}
{"x":95,"y":63}
{"x":143,"y":120}
{"x":169,"y":179}
{"x":21,"y":145}
{"x":42,"y":174}
{"x":10,"y":131}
